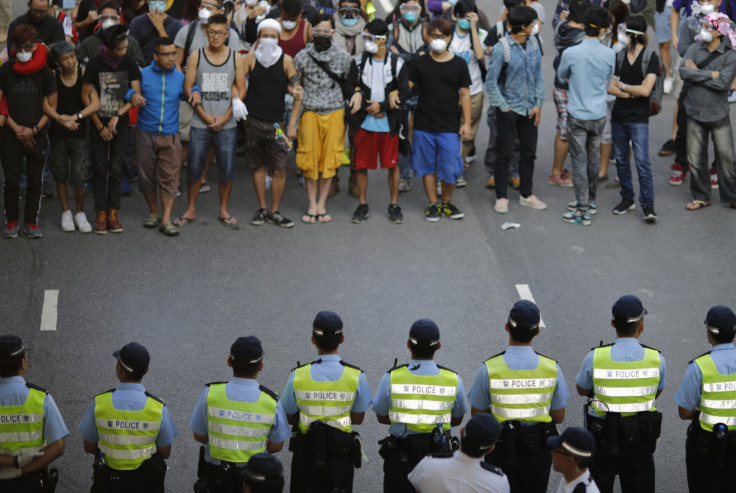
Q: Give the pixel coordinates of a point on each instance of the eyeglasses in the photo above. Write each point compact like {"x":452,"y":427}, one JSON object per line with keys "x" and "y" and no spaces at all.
{"x":27,"y":47}
{"x":372,"y":37}
{"x":410,"y":8}
{"x":217,"y":34}
{"x":322,"y":31}
{"x":436,"y":36}
{"x":168,"y":54}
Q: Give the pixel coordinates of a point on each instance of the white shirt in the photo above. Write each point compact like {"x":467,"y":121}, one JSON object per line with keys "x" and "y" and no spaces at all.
{"x":457,"y":474}
{"x":566,"y":487}
{"x":462,"y":46}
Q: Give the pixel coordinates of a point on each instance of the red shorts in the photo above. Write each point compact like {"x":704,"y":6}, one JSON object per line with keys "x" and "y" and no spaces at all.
{"x":369,"y":146}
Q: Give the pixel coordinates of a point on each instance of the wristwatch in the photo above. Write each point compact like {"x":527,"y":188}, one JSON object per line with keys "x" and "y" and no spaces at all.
{"x":80,"y":116}
{"x":117,"y":113}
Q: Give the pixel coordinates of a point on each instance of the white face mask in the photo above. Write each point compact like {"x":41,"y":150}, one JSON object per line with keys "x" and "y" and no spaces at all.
{"x":371,"y":47}
{"x":24,"y":56}
{"x":707,"y":8}
{"x":535,"y":29}
{"x":108,"y":23}
{"x":264,"y":4}
{"x":623,"y":39}
{"x":706,"y":36}
{"x":438,"y":45}
{"x":204,"y":14}
{"x":288,"y":25}
{"x":251,"y":3}
{"x":268,"y":51}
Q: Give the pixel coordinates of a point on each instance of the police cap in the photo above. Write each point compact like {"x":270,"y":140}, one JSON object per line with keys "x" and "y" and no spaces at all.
{"x":133,"y":357}
{"x":326,"y":323}
{"x":480,"y":433}
{"x":424,"y":332}
{"x":246,"y":349}
{"x":11,"y":346}
{"x":524,"y":315}
{"x":628,"y":309}
{"x":720,"y":320}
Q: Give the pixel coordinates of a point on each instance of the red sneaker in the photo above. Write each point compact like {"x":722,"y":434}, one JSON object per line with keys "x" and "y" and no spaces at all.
{"x":101,"y":223}
{"x":678,"y":174}
{"x":113,"y":225}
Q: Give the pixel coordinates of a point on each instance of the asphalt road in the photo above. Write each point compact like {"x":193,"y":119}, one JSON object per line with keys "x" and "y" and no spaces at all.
{"x":188,"y":298}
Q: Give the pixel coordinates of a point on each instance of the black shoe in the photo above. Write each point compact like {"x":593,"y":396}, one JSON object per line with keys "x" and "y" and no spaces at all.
{"x":432,"y":213}
{"x":649,"y":215}
{"x":394,"y":213}
{"x":279,"y":220}
{"x":361,"y":214}
{"x":668,"y":148}
{"x":625,"y":206}
{"x":259,"y":217}
{"x":451,"y":211}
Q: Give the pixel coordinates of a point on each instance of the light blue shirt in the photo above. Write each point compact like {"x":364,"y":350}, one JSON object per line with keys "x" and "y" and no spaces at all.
{"x":589,"y":68}
{"x":329,"y":370}
{"x":624,"y":350}
{"x":129,"y":397}
{"x":382,"y":402}
{"x":516,"y":358}
{"x":244,"y":390}
{"x":14,"y":392}
{"x":523,"y":86}
{"x":688,"y":395}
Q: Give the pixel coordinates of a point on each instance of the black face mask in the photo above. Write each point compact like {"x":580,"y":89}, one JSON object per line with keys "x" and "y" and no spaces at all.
{"x":322,"y":43}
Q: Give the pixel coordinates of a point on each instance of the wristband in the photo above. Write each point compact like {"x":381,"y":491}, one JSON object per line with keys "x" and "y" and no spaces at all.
{"x":129,"y":95}
{"x":195,"y":87}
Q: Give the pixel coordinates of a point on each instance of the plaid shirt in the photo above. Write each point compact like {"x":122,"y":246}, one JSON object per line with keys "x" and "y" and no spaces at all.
{"x":321,"y":93}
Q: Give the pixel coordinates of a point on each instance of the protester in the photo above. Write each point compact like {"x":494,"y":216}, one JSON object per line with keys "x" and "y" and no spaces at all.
{"x":156,"y":23}
{"x":108,"y":17}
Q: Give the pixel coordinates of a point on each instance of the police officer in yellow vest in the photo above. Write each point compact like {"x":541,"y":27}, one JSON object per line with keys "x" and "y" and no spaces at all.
{"x":323,"y":399}
{"x":32,"y":431}
{"x":707,"y":396}
{"x":420,"y":401}
{"x":236,"y":420}
{"x":527,"y":393}
{"x":129,"y":431}
{"x":623,"y":379}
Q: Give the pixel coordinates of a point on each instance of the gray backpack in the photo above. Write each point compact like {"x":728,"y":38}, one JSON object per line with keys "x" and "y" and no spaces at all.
{"x":655,"y":97}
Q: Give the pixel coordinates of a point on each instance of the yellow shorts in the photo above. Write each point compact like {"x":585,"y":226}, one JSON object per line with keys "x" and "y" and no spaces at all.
{"x":321,"y":143}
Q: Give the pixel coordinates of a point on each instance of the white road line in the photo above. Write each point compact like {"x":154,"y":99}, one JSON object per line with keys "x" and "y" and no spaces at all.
{"x":49,"y":314}
{"x":526,"y":294}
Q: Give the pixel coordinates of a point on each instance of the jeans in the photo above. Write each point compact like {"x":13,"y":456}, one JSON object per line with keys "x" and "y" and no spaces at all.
{"x":527,"y":132}
{"x":12,"y":154}
{"x":107,"y":159}
{"x":697,"y":155}
{"x":638,"y":135}
{"x":225,"y":142}
{"x":584,"y":137}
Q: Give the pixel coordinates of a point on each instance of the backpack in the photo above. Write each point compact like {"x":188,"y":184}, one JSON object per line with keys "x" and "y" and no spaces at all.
{"x":637,"y":6}
{"x":481,"y":62}
{"x":655,"y":97}
{"x":507,"y":56}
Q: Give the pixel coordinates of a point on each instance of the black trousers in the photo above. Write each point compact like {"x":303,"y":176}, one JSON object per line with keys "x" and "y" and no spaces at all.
{"x":396,"y":470}
{"x":704,"y":474}
{"x":108,"y":159}
{"x":634,"y":466}
{"x":530,"y":474}
{"x":12,"y":153}
{"x":527,"y":133}
{"x":28,"y":483}
{"x":336,"y":476}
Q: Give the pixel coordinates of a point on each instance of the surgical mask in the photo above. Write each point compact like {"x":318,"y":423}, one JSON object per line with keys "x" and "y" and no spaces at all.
{"x":203,"y":15}
{"x":268,"y":51}
{"x":322,"y":43}
{"x":251,"y":3}
{"x":438,"y":45}
{"x":371,"y":47}
{"x":108,"y":23}
{"x":157,"y":6}
{"x":707,"y":8}
{"x":288,"y":25}
{"x":24,"y":56}
{"x":463,"y":24}
{"x":265,"y":5}
{"x":623,"y":39}
{"x":706,"y":36}
{"x":410,"y":17}
{"x":535,"y":29}
{"x":349,"y":21}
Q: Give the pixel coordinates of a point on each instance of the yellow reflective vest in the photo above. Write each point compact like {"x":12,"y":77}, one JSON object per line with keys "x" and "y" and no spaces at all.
{"x":327,"y":402}
{"x":421,"y":402}
{"x":718,"y":396}
{"x":21,"y":427}
{"x":624,"y":387}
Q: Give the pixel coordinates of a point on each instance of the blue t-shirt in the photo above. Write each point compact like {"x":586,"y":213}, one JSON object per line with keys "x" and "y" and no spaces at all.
{"x":688,"y":395}
{"x":14,"y":392}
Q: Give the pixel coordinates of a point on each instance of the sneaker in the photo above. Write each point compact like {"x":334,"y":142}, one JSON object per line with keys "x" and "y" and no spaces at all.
{"x":101,"y":223}
{"x":560,"y":181}
{"x":668,"y":148}
{"x":404,"y":185}
{"x":169,"y":229}
{"x":713,"y":179}
{"x":566,"y":174}
{"x":515,"y":182}
{"x":460,"y":183}
{"x":624,"y":206}
{"x":592,"y":207}
{"x":470,"y":158}
{"x":649,"y":215}
{"x":11,"y":229}
{"x":33,"y":231}
{"x":80,"y":219}
{"x":450,"y":210}
{"x":669,"y":85}
{"x":533,"y":202}
{"x":259,"y":217}
{"x":279,"y":220}
{"x":394,"y":214}
{"x":501,"y":206}
{"x":576,"y":217}
{"x":491,"y":183}
{"x":360,"y":214}
{"x":113,"y":224}
{"x":152,"y":221}
{"x":67,"y":221}
{"x":432,"y":213}
{"x":678,"y":174}
{"x":731,"y":96}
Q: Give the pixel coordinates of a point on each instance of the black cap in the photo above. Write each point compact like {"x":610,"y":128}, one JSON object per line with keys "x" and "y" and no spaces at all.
{"x":262,"y":468}
{"x":721,"y":320}
{"x":11,"y":346}
{"x":246,"y":349}
{"x":424,"y":332}
{"x":480,"y":433}
{"x":327,"y":322}
{"x":577,"y":441}
{"x":628,"y":309}
{"x":524,"y":315}
{"x":133,"y":357}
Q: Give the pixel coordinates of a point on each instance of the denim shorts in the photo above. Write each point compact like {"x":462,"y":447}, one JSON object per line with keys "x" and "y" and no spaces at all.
{"x":68,"y":161}
{"x":200,"y":140}
{"x":437,"y":152}
{"x":663,"y":25}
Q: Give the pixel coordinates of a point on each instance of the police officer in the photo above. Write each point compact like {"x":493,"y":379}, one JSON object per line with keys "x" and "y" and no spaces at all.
{"x":465,"y":470}
{"x":129,"y":431}
{"x":623,"y":379}
{"x":571,"y":455}
{"x":421,"y":401}
{"x":263,"y":474}
{"x":32,"y":431}
{"x":236,"y":420}
{"x":526,"y":392}
{"x":323,"y":399}
{"x":706,"y":396}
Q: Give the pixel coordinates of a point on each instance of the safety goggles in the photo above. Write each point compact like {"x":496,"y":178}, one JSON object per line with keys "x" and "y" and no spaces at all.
{"x":410,"y":8}
{"x":322,"y":31}
{"x":349,"y":12}
{"x":372,"y":37}
{"x":114,"y":18}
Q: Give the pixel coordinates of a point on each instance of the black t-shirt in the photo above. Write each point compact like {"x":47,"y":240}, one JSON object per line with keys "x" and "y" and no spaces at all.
{"x":49,"y":29}
{"x":111,"y":83}
{"x":70,"y":103}
{"x":494,"y":35}
{"x":82,"y":12}
{"x":438,"y":85}
{"x":634,"y":110}
{"x":25,"y":93}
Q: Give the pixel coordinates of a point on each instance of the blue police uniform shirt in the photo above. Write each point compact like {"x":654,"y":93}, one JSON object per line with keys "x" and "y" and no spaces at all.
{"x":240,"y":390}
{"x":516,"y":358}
{"x":382,"y":402}
{"x":329,"y":370}
{"x":14,"y":392}
{"x":688,"y":395}
{"x":624,"y":350}
{"x":129,"y":397}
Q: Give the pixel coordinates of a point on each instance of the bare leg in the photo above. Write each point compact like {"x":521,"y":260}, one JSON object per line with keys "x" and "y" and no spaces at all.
{"x":393,"y":183}
{"x":208,"y":165}
{"x":61,"y":189}
{"x":184,"y":157}
{"x":192,"y":194}
{"x":259,"y":184}
{"x":225,"y":189}
{"x":561,"y":149}
{"x":324,"y":189}
{"x":666,"y":56}
{"x":447,"y":190}
{"x":430,"y":187}
{"x":151,"y":201}
{"x":674,"y":122}
{"x":311,"y":186}
{"x":167,"y":204}
{"x":361,"y":179}
{"x":79,"y":199}
{"x":606,"y":150}
{"x":278,"y":182}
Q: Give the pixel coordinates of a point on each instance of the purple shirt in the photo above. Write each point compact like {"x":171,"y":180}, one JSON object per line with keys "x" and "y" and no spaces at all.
{"x":678,"y":4}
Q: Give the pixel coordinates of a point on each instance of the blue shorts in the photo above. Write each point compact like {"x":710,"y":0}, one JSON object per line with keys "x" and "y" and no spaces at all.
{"x":224,"y":141}
{"x":437,"y":152}
{"x":663,"y":25}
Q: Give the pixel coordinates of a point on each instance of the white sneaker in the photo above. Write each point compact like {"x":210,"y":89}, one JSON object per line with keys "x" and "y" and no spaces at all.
{"x":731,"y":96}
{"x":81,"y":221}
{"x":460,"y":182}
{"x":67,"y":224}
{"x":501,"y":206}
{"x":533,"y":202}
{"x":669,"y":84}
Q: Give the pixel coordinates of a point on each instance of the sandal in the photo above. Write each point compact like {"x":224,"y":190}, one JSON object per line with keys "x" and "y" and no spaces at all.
{"x":309,"y":218}
{"x":169,"y":229}
{"x":205,"y":187}
{"x":182,"y":221}
{"x":696,"y":205}
{"x":228,"y":222}
{"x":324,"y":218}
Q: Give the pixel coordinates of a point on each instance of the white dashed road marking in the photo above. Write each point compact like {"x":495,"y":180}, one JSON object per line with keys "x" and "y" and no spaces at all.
{"x":49,"y":314}
{"x":526,"y":294}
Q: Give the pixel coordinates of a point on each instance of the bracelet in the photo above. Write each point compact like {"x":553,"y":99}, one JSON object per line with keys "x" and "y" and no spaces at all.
{"x":623,"y":87}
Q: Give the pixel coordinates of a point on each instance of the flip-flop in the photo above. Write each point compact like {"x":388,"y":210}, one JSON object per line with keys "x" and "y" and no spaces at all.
{"x":324,"y":218}
{"x":228,"y":222}
{"x":182,"y":221}
{"x":310,"y":218}
{"x":205,"y":187}
{"x":696,"y":205}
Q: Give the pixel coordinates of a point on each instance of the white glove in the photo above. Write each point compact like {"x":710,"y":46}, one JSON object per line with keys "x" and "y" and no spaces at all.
{"x":240,"y":112}
{"x":9,"y":473}
{"x":29,"y":456}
